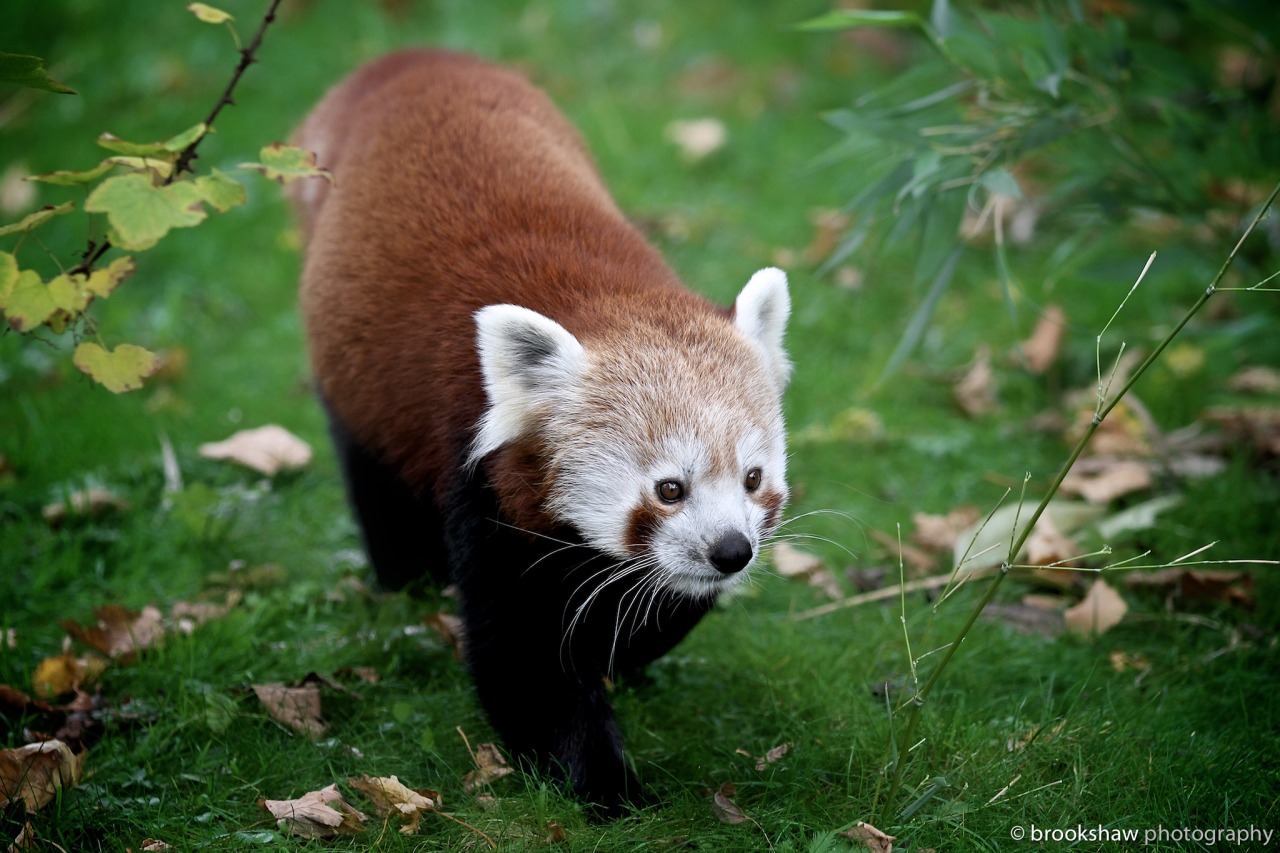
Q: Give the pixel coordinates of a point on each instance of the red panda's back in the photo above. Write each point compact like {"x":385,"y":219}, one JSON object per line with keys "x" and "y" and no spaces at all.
{"x":457,"y":185}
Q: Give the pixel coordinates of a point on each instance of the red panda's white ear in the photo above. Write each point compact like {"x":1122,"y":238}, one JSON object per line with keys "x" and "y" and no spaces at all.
{"x":760,"y":312}
{"x":528,"y":362}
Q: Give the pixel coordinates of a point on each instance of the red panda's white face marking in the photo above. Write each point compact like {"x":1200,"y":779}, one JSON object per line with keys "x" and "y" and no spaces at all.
{"x":668,"y":455}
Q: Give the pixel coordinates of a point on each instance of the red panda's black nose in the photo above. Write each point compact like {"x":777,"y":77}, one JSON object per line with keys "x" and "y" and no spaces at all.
{"x":731,"y":553}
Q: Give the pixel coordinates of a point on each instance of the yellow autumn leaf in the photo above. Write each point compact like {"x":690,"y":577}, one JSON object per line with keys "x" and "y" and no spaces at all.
{"x":119,"y":370}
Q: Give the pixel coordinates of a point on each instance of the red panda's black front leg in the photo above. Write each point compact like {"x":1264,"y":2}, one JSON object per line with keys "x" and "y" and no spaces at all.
{"x":544,"y":695}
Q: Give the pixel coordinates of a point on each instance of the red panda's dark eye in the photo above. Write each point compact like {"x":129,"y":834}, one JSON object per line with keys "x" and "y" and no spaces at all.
{"x":670,"y":491}
{"x":752,"y":481}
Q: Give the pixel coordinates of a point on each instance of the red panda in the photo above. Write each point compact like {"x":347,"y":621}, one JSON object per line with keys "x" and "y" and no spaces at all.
{"x":524,"y":399}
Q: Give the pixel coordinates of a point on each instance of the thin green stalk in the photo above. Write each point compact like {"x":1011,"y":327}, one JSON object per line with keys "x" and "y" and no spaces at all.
{"x":918,"y":700}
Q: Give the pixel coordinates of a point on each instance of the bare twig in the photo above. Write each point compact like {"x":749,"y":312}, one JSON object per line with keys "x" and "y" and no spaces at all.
{"x":248,"y":55}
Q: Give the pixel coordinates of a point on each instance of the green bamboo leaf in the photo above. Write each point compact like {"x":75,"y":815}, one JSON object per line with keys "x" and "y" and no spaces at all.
{"x":119,"y":370}
{"x":64,"y":178}
{"x":30,"y":302}
{"x":845,"y":19}
{"x":1001,"y":181}
{"x":285,"y":163}
{"x":33,"y":220}
{"x":221,"y":191}
{"x":141,"y":213}
{"x":209,"y":14}
{"x":29,"y":71}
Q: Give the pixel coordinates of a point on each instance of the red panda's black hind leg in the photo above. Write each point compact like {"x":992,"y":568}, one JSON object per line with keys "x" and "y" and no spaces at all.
{"x":401,"y":533}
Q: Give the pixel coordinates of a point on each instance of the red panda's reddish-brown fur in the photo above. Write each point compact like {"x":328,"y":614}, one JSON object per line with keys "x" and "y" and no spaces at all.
{"x":468,"y":256}
{"x":390,"y":349}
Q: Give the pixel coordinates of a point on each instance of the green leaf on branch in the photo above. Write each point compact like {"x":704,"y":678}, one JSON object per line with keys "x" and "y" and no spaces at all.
{"x":32,"y":220}
{"x":29,"y":71}
{"x":141,"y":213}
{"x":64,"y":178}
{"x":209,"y":14}
{"x":8,"y":277}
{"x":29,"y":302}
{"x":221,"y":191}
{"x":285,"y":163}
{"x":119,"y":370}
{"x":160,"y":169}
{"x":160,"y":150}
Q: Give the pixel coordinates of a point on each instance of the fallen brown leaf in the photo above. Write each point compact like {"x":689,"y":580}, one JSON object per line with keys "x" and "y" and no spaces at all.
{"x":1100,"y":610}
{"x":1256,"y":380}
{"x":66,"y":672}
{"x":390,"y":797}
{"x":1103,"y":483}
{"x":975,"y":392}
{"x":266,"y":449}
{"x":1048,"y":545}
{"x":938,"y":533}
{"x":88,"y":503}
{"x":35,"y":773}
{"x":490,"y":766}
{"x":120,"y":633}
{"x":297,"y":708}
{"x":449,"y":628}
{"x":186,"y":616}
{"x":1225,"y":587}
{"x":723,"y":806}
{"x":916,"y":561}
{"x":313,"y":815}
{"x":871,"y":838}
{"x":1122,"y":661}
{"x":799,"y":565}
{"x":1257,"y":426}
{"x":771,"y":757}
{"x":1036,"y":733}
{"x":1041,"y":349}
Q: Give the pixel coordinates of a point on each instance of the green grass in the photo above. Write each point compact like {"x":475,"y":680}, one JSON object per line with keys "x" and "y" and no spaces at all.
{"x":1193,"y":743}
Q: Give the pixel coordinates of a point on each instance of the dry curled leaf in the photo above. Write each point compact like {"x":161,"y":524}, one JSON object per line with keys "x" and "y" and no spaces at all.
{"x":723,"y":806}
{"x":1100,"y":610}
{"x":390,"y":797}
{"x":451,"y":630}
{"x":771,"y":757}
{"x":1221,"y":586}
{"x":798,"y":565}
{"x":35,"y":773}
{"x":266,"y":449}
{"x":298,"y":708}
{"x":1256,"y":380}
{"x":316,"y":814}
{"x":1102,"y":481}
{"x":938,"y":533}
{"x":66,"y":672}
{"x":975,"y":391}
{"x":120,"y":633}
{"x":871,"y":838}
{"x":490,"y":766}
{"x":87,"y":502}
{"x":1041,"y":349}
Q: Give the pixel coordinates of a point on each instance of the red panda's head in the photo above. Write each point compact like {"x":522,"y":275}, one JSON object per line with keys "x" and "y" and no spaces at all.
{"x":663,"y":445}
